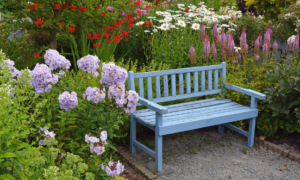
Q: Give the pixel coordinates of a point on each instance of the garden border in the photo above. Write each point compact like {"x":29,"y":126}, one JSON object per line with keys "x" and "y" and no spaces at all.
{"x":134,"y":164}
{"x":278,"y":149}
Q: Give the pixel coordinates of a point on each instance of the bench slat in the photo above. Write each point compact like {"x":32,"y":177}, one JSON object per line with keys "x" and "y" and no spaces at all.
{"x":200,"y":122}
{"x":196,"y":81}
{"x":176,"y":71}
{"x":166,"y":86}
{"x":188,"y":83}
{"x":173,"y":84}
{"x":216,"y":78}
{"x":141,"y":87}
{"x":202,"y":81}
{"x":157,"y":86}
{"x":149,"y":87}
{"x":209,"y":80}
{"x":181,"y":89}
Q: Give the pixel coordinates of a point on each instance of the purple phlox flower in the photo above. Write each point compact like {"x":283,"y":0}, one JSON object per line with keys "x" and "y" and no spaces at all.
{"x":41,"y":142}
{"x":206,"y":48}
{"x":94,"y":94}
{"x":103,"y":136}
{"x":109,"y":8}
{"x":275,"y":47}
{"x":68,"y":100}
{"x":192,"y":55}
{"x":62,"y":157}
{"x":93,"y":140}
{"x":110,"y":163}
{"x":112,"y":74}
{"x":15,"y":72}
{"x":116,"y":90}
{"x":42,"y":77}
{"x":202,"y":32}
{"x":54,"y":60}
{"x":50,"y":134}
{"x":89,"y":63}
{"x":113,"y":168}
{"x":98,"y":149}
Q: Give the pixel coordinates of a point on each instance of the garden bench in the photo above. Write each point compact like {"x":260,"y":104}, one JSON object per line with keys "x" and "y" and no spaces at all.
{"x":181,"y":117}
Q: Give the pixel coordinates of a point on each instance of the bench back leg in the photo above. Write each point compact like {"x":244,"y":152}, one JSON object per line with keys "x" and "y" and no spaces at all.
{"x":251,"y":132}
{"x":158,"y":144}
{"x":132,"y":133}
{"x":221,"y":129}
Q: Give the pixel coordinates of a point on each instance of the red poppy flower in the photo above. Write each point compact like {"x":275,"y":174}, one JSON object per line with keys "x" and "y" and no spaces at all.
{"x":96,"y":45}
{"x":121,"y":21}
{"x":150,"y":24}
{"x":145,"y":24}
{"x":96,"y":36}
{"x":130,"y":25}
{"x":124,"y":33}
{"x":73,"y":8}
{"x":127,"y":16}
{"x":66,"y":5}
{"x":98,"y":7}
{"x":103,"y":13}
{"x":117,"y":38}
{"x":187,"y":10}
{"x":38,"y":21}
{"x":57,"y":6}
{"x":108,"y":40}
{"x":130,"y":21}
{"x":138,"y":3}
{"x":117,"y":24}
{"x":137,"y":19}
{"x":34,"y":6}
{"x":89,"y":35}
{"x":105,"y":34}
{"x":82,"y":8}
{"x":61,"y":24}
{"x":126,"y":38}
{"x":139,"y":12}
{"x":37,"y":55}
{"x":28,"y":7}
{"x":86,"y":6}
{"x":148,"y":6}
{"x":108,"y":28}
{"x":71,"y":29}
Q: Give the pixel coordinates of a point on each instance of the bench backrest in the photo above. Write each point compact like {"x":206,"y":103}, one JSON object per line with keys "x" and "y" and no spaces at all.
{"x":200,"y":88}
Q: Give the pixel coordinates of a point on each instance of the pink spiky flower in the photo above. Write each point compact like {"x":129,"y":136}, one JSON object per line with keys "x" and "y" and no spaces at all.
{"x":275,"y":47}
{"x":296,"y":44}
{"x":289,"y":46}
{"x":192,"y":55}
{"x":243,"y":40}
{"x":206,"y":48}
{"x":267,"y":38}
{"x":260,"y":40}
{"x":202,"y":32}
{"x":265,"y":48}
{"x":215,"y":33}
{"x":231,"y":48}
{"x":256,"y":45}
{"x":214,"y":51}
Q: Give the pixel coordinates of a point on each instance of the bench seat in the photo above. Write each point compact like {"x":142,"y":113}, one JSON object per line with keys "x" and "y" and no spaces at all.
{"x":196,"y":114}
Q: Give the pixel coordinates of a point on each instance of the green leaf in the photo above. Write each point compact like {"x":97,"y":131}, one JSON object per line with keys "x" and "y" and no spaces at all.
{"x":8,"y":155}
{"x":7,"y":177}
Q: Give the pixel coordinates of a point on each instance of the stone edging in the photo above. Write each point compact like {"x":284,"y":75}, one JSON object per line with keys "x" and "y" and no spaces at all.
{"x":133,"y":163}
{"x":278,"y":149}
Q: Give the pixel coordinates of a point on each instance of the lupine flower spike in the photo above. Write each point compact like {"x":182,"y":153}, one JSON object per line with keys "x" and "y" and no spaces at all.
{"x":296,"y":44}
{"x":192,"y":54}
{"x":256,"y":45}
{"x":214,"y":51}
{"x":206,"y":48}
{"x":289,"y":46}
{"x":243,"y":41}
{"x":275,"y":47}
{"x":202,"y":32}
{"x":265,"y":49}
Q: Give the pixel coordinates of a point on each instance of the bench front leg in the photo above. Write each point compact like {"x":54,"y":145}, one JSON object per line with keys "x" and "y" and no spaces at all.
{"x":158,"y":143}
{"x":252,"y":122}
{"x":132,"y":133}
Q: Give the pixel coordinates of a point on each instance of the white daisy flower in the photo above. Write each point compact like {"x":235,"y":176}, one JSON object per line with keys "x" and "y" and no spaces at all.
{"x":151,"y":17}
{"x":168,"y":19}
{"x":139,"y":23}
{"x":155,"y":30}
{"x":195,"y":26}
{"x":159,"y":13}
{"x":172,"y":26}
{"x":205,"y":18}
{"x":164,"y":27}
{"x":181,"y":23}
{"x":161,"y":21}
{"x":146,"y":31}
{"x":191,"y":15}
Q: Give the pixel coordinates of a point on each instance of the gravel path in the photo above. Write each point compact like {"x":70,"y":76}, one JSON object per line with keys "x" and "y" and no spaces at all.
{"x":204,"y":155}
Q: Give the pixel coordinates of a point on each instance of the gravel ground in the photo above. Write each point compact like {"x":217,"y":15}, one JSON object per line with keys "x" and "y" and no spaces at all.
{"x":203,"y":154}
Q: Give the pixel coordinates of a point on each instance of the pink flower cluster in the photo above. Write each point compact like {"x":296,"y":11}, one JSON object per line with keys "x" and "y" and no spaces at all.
{"x":97,"y":144}
{"x":113,"y":168}
{"x":94,"y":94}
{"x":47,"y":133}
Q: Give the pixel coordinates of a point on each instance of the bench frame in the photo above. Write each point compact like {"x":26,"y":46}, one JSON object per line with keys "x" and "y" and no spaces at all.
{"x":151,"y":103}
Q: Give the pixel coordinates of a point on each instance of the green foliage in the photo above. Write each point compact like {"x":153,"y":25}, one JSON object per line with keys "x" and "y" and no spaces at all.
{"x":283,"y":93}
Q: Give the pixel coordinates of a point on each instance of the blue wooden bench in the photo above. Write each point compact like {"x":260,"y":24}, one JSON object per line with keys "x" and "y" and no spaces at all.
{"x":181,"y":117}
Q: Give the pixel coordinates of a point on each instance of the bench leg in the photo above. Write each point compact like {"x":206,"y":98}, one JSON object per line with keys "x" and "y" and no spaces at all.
{"x":251,"y":132}
{"x":158,"y":152}
{"x":132,"y":133}
{"x":221,"y":129}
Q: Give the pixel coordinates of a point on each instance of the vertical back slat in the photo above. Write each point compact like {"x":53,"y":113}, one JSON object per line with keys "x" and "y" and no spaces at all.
{"x":196,"y":81}
{"x":188,"y":83}
{"x":216,"y":78}
{"x":166,"y":86}
{"x":131,"y":80}
{"x":202,"y":80}
{"x":141,"y":87}
{"x":157,"y":86}
{"x":149,"y":87}
{"x":181,"y":90}
{"x":173,"y":84}
{"x":209,"y":80}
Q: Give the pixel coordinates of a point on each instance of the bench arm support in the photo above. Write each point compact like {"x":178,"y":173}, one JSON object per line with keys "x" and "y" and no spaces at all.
{"x":153,"y":106}
{"x":248,"y":92}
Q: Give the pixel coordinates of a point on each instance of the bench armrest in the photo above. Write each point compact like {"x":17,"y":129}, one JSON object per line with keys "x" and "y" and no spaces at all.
{"x":153,"y":106}
{"x":249,"y":92}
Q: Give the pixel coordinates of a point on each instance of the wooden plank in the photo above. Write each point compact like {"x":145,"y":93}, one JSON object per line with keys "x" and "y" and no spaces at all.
{"x":143,"y":113}
{"x":149,"y":87}
{"x":158,"y":143}
{"x":223,"y":70}
{"x":132,"y":132}
{"x":188,"y":83}
{"x":153,"y":106}
{"x":173,"y":84}
{"x":141,"y":87}
{"x":196,"y":88}
{"x":181,"y":89}
{"x":216,"y":78}
{"x":184,"y":96}
{"x":157,"y":86}
{"x":144,"y":148}
{"x":176,"y":71}
{"x":248,"y":92}
{"x":139,"y":120}
{"x":207,"y":121}
{"x":202,"y":81}
{"x":209,"y":80}
{"x":131,"y":80}
{"x":236,"y":129}
{"x":166,"y":86}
